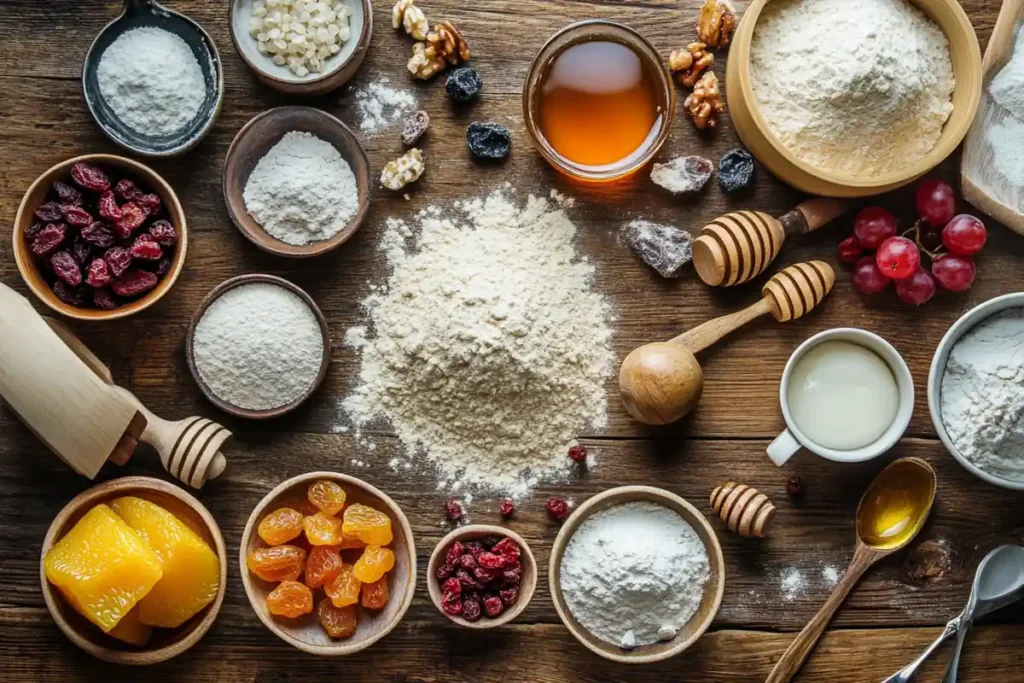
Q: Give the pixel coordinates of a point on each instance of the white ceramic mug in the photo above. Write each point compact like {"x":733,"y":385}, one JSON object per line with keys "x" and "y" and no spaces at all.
{"x":792,"y":440}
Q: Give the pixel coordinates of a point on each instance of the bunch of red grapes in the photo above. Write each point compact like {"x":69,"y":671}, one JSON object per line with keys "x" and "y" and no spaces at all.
{"x":950,"y":241}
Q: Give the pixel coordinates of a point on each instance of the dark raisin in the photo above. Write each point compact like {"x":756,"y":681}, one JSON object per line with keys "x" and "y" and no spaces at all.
{"x":163,"y":233}
{"x":133,"y":283}
{"x":104,"y":299}
{"x":509,"y":594}
{"x":557,"y":508}
{"x":126,"y":190}
{"x":513,"y":576}
{"x":107,"y":206}
{"x":467,"y":579}
{"x":415,"y":126}
{"x":490,"y":541}
{"x":119,"y":260}
{"x":488,"y":140}
{"x":75,"y":296}
{"x":33,"y":230}
{"x":795,"y":486}
{"x":150,"y":202}
{"x":445,"y":570}
{"x":163,"y":267}
{"x":735,"y":170}
{"x":132,"y":216}
{"x":76,"y":215}
{"x":471,"y":608}
{"x":99,"y":274}
{"x":90,"y":177}
{"x":493,"y":606}
{"x":67,"y":194}
{"x":452,"y":510}
{"x":50,"y":212}
{"x":49,"y":238}
{"x":146,"y":250}
{"x":99,"y":234}
{"x":578,"y":454}
{"x":508,"y":508}
{"x":66,"y":268}
{"x":464,"y":85}
{"x":81,"y":250}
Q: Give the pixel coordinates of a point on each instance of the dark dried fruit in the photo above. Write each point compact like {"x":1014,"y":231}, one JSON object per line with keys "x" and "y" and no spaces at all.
{"x":98,"y":234}
{"x":99,"y":274}
{"x":578,"y":454}
{"x":508,"y":549}
{"x":489,"y":140}
{"x":67,"y":194}
{"x":474,"y":547}
{"x":107,"y":206}
{"x":735,"y":170}
{"x":471,"y":607}
{"x":468,"y":562}
{"x":134,"y":283}
{"x":132,"y":216}
{"x":50,"y":212}
{"x":415,"y":126}
{"x":74,"y":296}
{"x":146,"y":250}
{"x":464,"y":85}
{"x":126,"y":190}
{"x":150,"y":202}
{"x":557,"y":508}
{"x":452,"y":510}
{"x":485,"y":575}
{"x":81,"y":250}
{"x":66,"y":268}
{"x":119,"y":260}
{"x":90,"y":177}
{"x":508,"y":508}
{"x":163,"y":233}
{"x":455,"y":551}
{"x":49,"y":238}
{"x":444,"y":571}
{"x":513,"y":576}
{"x":795,"y":486}
{"x":490,"y":561}
{"x":452,"y":586}
{"x":163,"y":267}
{"x":509,"y":594}
{"x":491,"y":541}
{"x":104,"y":299}
{"x":664,"y":248}
{"x":493,"y":606}
{"x":451,"y":603}
{"x":76,"y":215}
{"x":33,"y":230}
{"x":466,"y":579}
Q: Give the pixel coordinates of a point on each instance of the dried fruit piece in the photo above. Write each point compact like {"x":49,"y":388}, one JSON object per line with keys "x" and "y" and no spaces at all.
{"x":735,"y":170}
{"x":66,"y":268}
{"x":508,"y":595}
{"x":578,"y":453}
{"x":74,"y":296}
{"x":683,"y":174}
{"x":163,"y":266}
{"x":76,"y":215}
{"x":664,"y":248}
{"x":374,"y":563}
{"x":50,"y":212}
{"x":404,"y":170}
{"x":415,"y":126}
{"x":489,"y":560}
{"x":98,"y":234}
{"x":99,"y":274}
{"x":163,"y":233}
{"x":104,"y":299}
{"x":488,"y":140}
{"x":452,"y":586}
{"x":277,"y":563}
{"x":81,"y":250}
{"x":119,"y":260}
{"x":375,"y":595}
{"x":468,"y":562}
{"x":327,"y":496}
{"x":557,"y":508}
{"x":150,"y":202}
{"x":132,"y":216}
{"x":67,"y":194}
{"x":323,"y":565}
{"x":33,"y":230}
{"x":508,"y":549}
{"x":146,"y":250}
{"x":339,"y":622}
{"x":107,"y":206}
{"x":493,"y":606}
{"x":280,"y":526}
{"x":90,"y":177}
{"x":134,"y":283}
{"x":464,"y":85}
{"x":794,"y":485}
{"x":452,"y":510}
{"x":508,"y":508}
{"x":471,"y":607}
{"x":451,"y":603}
{"x":368,"y":525}
{"x":131,"y":630}
{"x":290,"y":599}
{"x":49,"y":238}
{"x":344,"y":588}
{"x":715,"y":22}
{"x":126,"y":190}
{"x":323,"y":529}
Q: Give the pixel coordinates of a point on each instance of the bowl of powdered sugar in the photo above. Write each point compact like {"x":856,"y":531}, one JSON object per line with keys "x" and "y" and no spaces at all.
{"x":976,"y":391}
{"x":637,"y":574}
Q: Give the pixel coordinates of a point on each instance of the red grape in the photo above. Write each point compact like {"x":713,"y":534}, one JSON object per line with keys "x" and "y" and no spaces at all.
{"x":964,"y":235}
{"x":954,"y":272}
{"x":849,"y":250}
{"x":898,"y":258}
{"x":936,"y":202}
{"x":867,"y":278}
{"x":916,"y":289}
{"x":874,"y":225}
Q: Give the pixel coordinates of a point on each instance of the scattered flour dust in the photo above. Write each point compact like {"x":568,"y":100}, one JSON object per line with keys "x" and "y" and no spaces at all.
{"x":793,"y":584}
{"x":489,"y":350}
{"x":381,"y":106}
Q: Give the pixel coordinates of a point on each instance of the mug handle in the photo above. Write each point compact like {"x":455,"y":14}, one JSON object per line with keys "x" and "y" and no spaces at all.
{"x":783,"y":448}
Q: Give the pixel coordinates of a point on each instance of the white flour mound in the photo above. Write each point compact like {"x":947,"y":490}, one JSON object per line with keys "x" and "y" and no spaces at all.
{"x":489,"y":350}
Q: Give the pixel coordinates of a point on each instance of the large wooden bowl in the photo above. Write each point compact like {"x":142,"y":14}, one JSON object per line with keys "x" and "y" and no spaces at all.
{"x":475,"y":532}
{"x":753,"y":128}
{"x":166,"y":643}
{"x":35,"y":197}
{"x":305,"y":632}
{"x":713,"y":590}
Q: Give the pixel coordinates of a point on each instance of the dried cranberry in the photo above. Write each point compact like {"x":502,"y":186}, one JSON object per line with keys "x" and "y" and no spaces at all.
{"x":49,"y":238}
{"x":508,"y":508}
{"x":134,"y":283}
{"x":104,"y":299}
{"x":145,"y":250}
{"x":444,"y":571}
{"x":452,"y":510}
{"x":163,"y":233}
{"x":467,"y":579}
{"x":451,"y":603}
{"x":81,"y":250}
{"x":126,"y":190}
{"x":150,"y":202}
{"x":795,"y":486}
{"x":75,"y":296}
{"x":90,"y":177}
{"x":471,"y":608}
{"x":455,"y":551}
{"x":32,"y":231}
{"x":474,"y":547}
{"x":467,"y":561}
{"x":67,"y":194}
{"x":76,"y":215}
{"x":493,"y":606}
{"x":452,"y":585}
{"x":491,"y":541}
{"x":491,"y":561}
{"x":513,"y":576}
{"x":485,"y":575}
{"x":66,"y":268}
{"x":508,"y":548}
{"x":132,"y":216}
{"x":107,"y":206}
{"x":509,"y":594}
{"x":557,"y":508}
{"x":98,"y":234}
{"x":99,"y":274}
{"x":578,"y":454}
{"x":163,"y":267}
{"x":50,"y":212}
{"x":119,"y":260}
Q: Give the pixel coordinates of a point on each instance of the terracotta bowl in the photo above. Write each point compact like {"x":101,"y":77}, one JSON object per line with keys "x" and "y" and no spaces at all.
{"x":475,"y":532}
{"x":713,"y":590}
{"x":341,"y":67}
{"x":166,"y":643}
{"x":35,"y":196}
{"x":255,"y":140}
{"x":753,"y":128}
{"x":305,"y":633}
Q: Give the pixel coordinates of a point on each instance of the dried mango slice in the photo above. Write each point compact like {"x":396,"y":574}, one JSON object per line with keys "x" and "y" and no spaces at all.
{"x":368,"y":525}
{"x":374,"y":563}
{"x":132,"y":631}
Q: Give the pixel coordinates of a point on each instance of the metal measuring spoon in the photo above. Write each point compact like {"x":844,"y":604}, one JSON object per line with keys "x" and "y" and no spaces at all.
{"x":139,"y":13}
{"x":998,"y":582}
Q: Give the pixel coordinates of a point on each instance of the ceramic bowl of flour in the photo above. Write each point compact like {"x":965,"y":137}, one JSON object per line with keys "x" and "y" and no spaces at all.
{"x":985,"y":354}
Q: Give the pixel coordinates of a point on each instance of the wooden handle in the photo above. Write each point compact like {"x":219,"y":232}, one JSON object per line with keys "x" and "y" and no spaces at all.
{"x":812,"y":214}
{"x":706,"y":334}
{"x":796,"y":289}
{"x":798,"y":651}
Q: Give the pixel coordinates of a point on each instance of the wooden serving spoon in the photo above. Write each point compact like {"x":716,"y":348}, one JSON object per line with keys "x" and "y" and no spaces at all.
{"x":739,"y":246}
{"x":661,"y":382}
{"x":891,"y":512}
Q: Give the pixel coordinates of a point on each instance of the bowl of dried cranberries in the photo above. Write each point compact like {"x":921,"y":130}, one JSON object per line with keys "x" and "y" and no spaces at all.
{"x":100,"y":237}
{"x":481,"y":576}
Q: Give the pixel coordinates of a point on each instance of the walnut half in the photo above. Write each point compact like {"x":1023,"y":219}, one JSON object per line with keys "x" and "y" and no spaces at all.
{"x":407,"y":15}
{"x":705,"y":102}
{"x":715,"y":23}
{"x":688,"y":64}
{"x":444,"y":45}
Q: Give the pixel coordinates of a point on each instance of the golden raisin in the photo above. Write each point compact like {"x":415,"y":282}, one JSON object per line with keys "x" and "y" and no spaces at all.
{"x":350,"y":542}
{"x":375,"y":595}
{"x":368,"y":525}
{"x":339,"y":622}
{"x":374,"y":563}
{"x":290,"y":599}
{"x":327,"y":496}
{"x":280,"y":526}
{"x":323,"y":529}
{"x":278,"y":563}
{"x":344,"y":588}
{"x":323,"y":565}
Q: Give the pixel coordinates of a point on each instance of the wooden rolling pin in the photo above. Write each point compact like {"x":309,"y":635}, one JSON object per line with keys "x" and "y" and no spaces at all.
{"x":739,"y":246}
{"x":661,"y":382}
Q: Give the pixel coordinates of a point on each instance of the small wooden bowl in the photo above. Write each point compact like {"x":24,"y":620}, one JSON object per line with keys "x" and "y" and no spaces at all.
{"x":342,"y":66}
{"x":166,"y":643}
{"x":255,"y":140}
{"x":713,"y":590}
{"x":475,"y":532}
{"x":753,"y":128}
{"x":190,"y":356}
{"x":305,"y":632}
{"x":35,"y":196}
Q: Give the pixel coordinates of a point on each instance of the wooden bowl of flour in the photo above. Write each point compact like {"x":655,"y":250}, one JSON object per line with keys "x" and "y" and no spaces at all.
{"x":753,"y":128}
{"x":257,"y":138}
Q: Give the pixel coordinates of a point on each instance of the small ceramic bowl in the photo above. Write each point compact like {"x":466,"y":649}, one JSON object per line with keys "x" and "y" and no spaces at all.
{"x":256,"y":139}
{"x":475,"y":532}
{"x":142,"y":13}
{"x":713,"y":590}
{"x":305,"y":632}
{"x":340,"y":67}
{"x":190,"y":357}
{"x":166,"y":643}
{"x":965,"y":324}
{"x":35,"y":196}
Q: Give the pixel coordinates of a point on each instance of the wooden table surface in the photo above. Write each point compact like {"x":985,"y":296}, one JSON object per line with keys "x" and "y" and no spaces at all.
{"x":888,"y":619}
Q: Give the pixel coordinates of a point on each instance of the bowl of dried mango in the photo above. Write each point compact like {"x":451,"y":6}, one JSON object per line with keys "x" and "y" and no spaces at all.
{"x":133,"y":571}
{"x":328,"y":563}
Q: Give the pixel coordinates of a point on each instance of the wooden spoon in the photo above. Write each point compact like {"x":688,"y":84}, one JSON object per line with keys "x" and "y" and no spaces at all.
{"x":661,"y":382}
{"x":891,"y":512}
{"x":739,"y":246}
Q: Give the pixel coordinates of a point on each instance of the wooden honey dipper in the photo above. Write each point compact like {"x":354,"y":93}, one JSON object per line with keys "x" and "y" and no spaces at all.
{"x":739,"y":246}
{"x":661,"y":382}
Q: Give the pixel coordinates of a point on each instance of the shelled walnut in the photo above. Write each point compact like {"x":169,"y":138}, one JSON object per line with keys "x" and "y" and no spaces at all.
{"x":407,"y":15}
{"x":704,"y":103}
{"x":688,"y":63}
{"x":715,"y":23}
{"x":444,"y":45}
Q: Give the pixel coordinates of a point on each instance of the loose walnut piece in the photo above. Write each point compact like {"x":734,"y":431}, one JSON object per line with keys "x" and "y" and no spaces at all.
{"x":704,"y":103}
{"x":444,"y":46}
{"x":689,"y":63}
{"x":715,"y":23}
{"x":407,"y":15}
{"x":425,"y":62}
